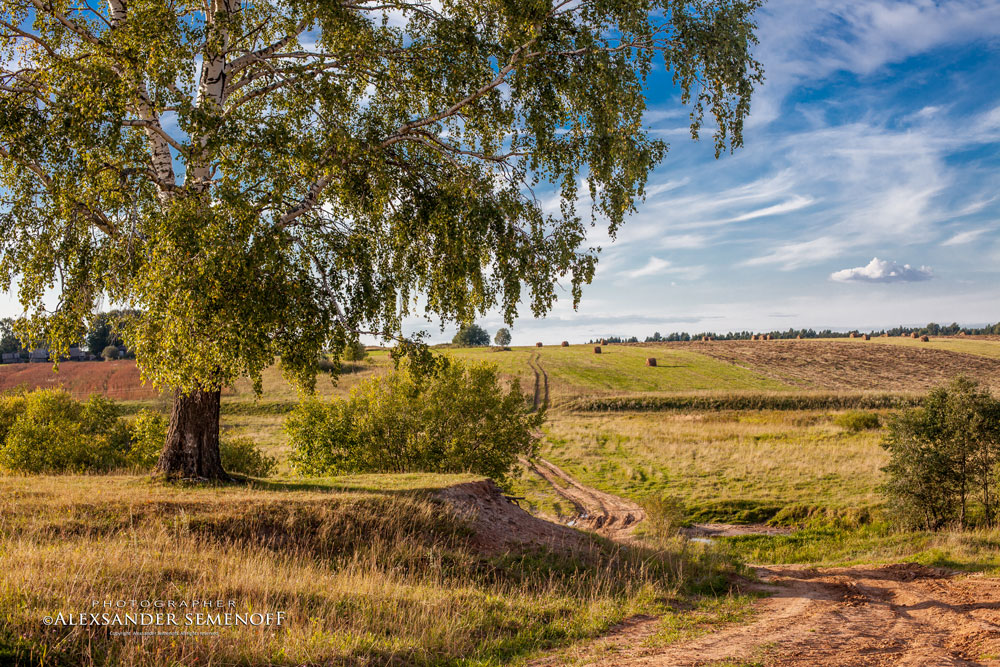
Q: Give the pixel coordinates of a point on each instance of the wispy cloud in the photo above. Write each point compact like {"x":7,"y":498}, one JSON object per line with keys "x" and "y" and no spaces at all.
{"x":883,"y":271}
{"x":965,"y":237}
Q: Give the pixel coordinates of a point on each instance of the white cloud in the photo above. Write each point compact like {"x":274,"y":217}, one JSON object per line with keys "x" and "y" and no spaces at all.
{"x":965,"y":237}
{"x":882,"y":271}
{"x":654,"y":266}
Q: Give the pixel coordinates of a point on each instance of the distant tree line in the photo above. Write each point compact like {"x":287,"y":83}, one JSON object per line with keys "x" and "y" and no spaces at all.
{"x":104,"y":332}
{"x":931,"y":329}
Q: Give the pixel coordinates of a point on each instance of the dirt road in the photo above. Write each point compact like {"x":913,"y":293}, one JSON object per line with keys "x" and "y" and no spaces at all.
{"x":904,"y":614}
{"x":893,"y":615}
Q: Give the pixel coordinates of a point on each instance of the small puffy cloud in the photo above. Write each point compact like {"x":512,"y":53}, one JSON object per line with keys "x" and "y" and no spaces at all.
{"x":883,"y":271}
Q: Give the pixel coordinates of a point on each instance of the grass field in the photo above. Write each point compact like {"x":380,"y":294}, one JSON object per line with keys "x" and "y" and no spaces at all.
{"x":368,"y":570}
{"x":376,"y":570}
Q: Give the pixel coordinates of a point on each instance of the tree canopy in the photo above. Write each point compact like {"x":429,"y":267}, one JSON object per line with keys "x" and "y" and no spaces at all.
{"x":471,"y":335}
{"x":270,"y":178}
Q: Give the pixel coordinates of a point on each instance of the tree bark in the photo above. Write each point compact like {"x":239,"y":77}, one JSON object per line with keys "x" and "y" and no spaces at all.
{"x":192,"y":447}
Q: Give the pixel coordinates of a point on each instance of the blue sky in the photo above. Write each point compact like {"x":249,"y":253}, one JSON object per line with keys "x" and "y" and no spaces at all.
{"x":866,"y":194}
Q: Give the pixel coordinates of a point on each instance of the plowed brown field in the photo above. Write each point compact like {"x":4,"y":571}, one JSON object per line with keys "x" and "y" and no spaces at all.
{"x":114,"y":379}
{"x":855,"y":365}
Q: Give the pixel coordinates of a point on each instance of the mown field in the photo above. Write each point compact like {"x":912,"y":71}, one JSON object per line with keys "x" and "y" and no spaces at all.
{"x":377,"y":570}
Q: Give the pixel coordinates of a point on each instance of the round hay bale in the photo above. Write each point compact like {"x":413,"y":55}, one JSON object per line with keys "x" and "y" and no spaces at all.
{"x":604,"y":341}
{"x":866,"y":337}
{"x":597,"y":349}
{"x":768,"y":337}
{"x":799,"y":337}
{"x":651,"y":361}
{"x":924,"y":339}
{"x":538,"y":344}
{"x":852,"y":335}
{"x":914,"y":335}
{"x":565,"y":343}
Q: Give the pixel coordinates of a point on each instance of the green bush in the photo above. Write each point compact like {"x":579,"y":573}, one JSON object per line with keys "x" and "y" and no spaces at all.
{"x":944,"y":459}
{"x":460,"y":419}
{"x":47,"y":431}
{"x":52,"y":432}
{"x":109,"y":353}
{"x":241,"y":455}
{"x":857,"y":421}
{"x":664,"y":516}
{"x":148,"y":430}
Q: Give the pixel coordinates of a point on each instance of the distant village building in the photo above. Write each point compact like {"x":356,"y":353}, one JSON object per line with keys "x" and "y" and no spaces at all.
{"x":38,"y":355}
{"x":12,"y":358}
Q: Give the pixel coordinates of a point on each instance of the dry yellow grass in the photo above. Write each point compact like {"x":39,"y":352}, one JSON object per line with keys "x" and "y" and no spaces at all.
{"x":363,"y":576}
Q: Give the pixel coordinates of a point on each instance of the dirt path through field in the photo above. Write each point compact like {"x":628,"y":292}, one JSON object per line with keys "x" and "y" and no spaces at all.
{"x":893,"y":615}
{"x":600,"y":512}
{"x":903,"y":614}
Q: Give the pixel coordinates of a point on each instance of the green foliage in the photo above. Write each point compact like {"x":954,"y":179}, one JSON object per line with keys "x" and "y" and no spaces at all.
{"x":109,"y":353}
{"x":241,"y":455}
{"x":47,"y":431}
{"x":8,"y":339}
{"x":471,"y":335}
{"x":356,"y":351}
{"x":742,"y":401}
{"x":855,"y":420}
{"x":461,"y":418}
{"x":105,"y":330}
{"x":944,"y":457}
{"x":295,"y":199}
{"x":502,"y":338}
{"x":149,"y":432}
{"x":50,"y":432}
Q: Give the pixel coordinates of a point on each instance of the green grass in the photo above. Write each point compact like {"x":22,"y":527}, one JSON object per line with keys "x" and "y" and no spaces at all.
{"x":727,"y":466}
{"x":576,"y":371}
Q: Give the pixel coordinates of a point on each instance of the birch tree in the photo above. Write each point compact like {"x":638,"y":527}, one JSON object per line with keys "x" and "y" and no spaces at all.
{"x":266,"y":179}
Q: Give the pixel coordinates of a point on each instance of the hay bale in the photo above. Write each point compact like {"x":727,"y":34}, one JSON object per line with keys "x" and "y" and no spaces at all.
{"x":852,"y":335}
{"x":538,"y":344}
{"x":604,"y":341}
{"x":866,"y":337}
{"x":885,"y":335}
{"x":565,"y":343}
{"x":924,"y":339}
{"x":914,"y":335}
{"x":651,"y":361}
{"x":597,"y":349}
{"x":799,"y":337}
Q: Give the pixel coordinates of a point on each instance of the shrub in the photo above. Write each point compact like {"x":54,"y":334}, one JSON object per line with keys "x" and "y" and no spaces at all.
{"x":109,"y":353}
{"x":148,"y":431}
{"x":857,"y":421}
{"x":944,"y":458}
{"x":355,"y":351}
{"x":461,"y":418}
{"x":55,"y":433}
{"x":240,"y":455}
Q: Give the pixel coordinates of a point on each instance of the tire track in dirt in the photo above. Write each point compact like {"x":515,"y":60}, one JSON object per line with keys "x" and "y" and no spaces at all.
{"x":603,"y":513}
{"x":541,"y":396}
{"x":906,"y":614}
